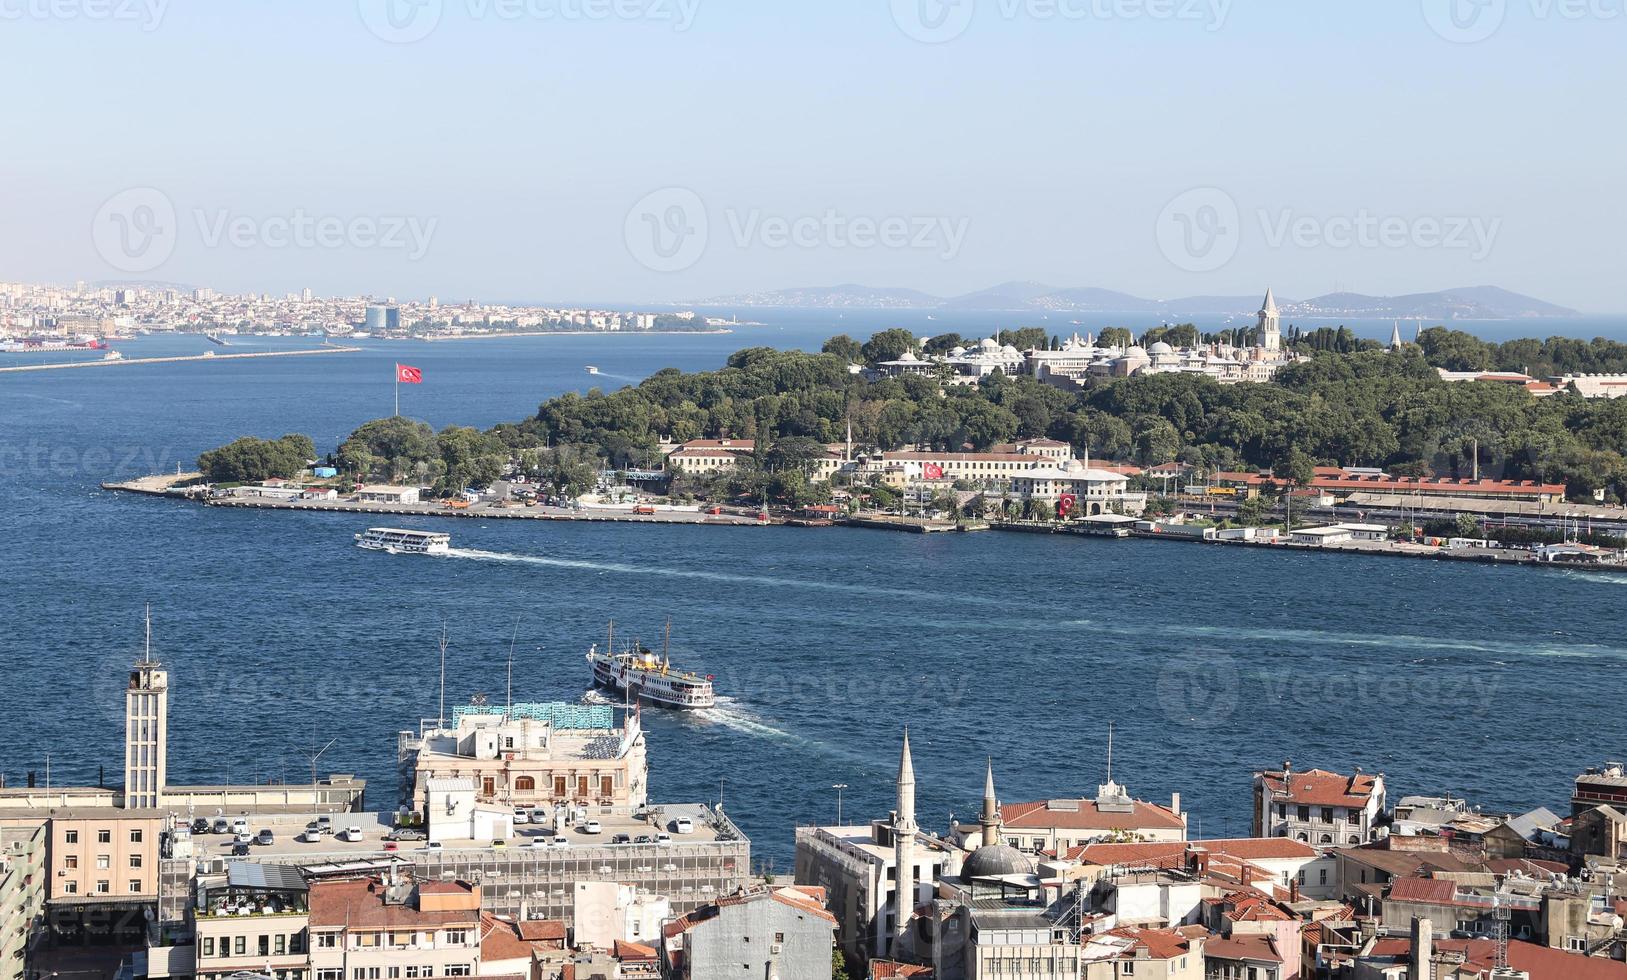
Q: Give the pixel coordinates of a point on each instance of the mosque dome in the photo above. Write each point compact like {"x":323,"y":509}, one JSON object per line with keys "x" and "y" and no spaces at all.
{"x":1136,"y":352}
{"x":1160,"y":348}
{"x":995,"y":861}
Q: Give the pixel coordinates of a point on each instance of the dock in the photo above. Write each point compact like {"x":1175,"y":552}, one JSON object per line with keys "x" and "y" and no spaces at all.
{"x":177,"y":484}
{"x":210,"y":356}
{"x":480,"y":512}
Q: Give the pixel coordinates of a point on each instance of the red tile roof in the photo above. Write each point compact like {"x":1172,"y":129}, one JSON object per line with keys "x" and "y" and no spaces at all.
{"x":361,"y":905}
{"x":1258,"y":948}
{"x":1318,"y":787}
{"x":1243,"y":849}
{"x":1032,"y":816}
{"x":1430,"y":891}
{"x":890,"y":970}
{"x":1161,"y":944}
{"x":1540,"y":962}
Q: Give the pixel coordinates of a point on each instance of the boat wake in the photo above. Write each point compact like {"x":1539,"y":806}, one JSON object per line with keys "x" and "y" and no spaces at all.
{"x":730,"y":714}
{"x":616,"y":568}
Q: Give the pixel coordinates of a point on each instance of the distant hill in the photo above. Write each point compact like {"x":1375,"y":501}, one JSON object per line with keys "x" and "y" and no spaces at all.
{"x":1469,"y":303}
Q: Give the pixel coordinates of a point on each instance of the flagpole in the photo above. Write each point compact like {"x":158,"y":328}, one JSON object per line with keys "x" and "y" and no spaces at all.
{"x":397,"y":392}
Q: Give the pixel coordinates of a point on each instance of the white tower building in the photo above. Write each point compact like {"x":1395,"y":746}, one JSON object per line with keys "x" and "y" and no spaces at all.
{"x":146,"y":722}
{"x":1270,"y":324}
{"x":904,"y":830}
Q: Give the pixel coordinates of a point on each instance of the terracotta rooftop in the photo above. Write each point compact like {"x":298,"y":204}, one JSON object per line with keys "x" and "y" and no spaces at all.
{"x":1318,"y":787}
{"x":1259,"y":948}
{"x":1088,"y":816}
{"x":361,"y":905}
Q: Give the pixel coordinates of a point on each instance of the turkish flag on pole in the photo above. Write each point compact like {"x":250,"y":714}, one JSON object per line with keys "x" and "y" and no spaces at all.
{"x":408,"y":375}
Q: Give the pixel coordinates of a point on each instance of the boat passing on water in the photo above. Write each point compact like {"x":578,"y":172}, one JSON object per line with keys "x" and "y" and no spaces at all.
{"x":400,"y":542}
{"x":649,"y":679}
{"x":592,"y":369}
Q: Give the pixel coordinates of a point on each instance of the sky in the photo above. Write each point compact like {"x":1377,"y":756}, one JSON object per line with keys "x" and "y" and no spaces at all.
{"x":677,"y":150}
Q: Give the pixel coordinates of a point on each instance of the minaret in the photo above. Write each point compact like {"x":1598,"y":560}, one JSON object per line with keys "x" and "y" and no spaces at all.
{"x":1270,"y":324}
{"x":990,"y":820}
{"x":146,"y":721}
{"x":904,"y":845}
{"x":1395,"y":337}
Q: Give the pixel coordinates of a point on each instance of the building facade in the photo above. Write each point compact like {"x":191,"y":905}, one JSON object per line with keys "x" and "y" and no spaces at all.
{"x":1317,"y":807}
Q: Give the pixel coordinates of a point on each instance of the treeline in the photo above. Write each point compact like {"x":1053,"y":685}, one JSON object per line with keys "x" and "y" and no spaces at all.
{"x":1361,"y":408}
{"x":251,"y":460}
{"x":1455,"y":350}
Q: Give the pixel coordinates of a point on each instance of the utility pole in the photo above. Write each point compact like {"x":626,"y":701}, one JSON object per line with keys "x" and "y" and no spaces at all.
{"x":838,"y":787}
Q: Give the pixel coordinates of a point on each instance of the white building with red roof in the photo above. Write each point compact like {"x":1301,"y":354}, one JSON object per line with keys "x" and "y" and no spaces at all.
{"x":1060,"y":824}
{"x":1317,"y":807}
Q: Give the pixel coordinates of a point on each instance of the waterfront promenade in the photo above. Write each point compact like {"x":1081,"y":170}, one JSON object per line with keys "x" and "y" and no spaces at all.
{"x":209,"y":356}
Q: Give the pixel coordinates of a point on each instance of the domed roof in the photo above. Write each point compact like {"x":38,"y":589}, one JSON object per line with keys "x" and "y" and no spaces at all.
{"x":988,"y":344}
{"x":996,"y":860}
{"x":1136,"y":352}
{"x":1009,"y":349}
{"x":1161,"y":348}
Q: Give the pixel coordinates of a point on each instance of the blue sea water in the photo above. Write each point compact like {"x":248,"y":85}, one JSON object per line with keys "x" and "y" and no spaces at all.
{"x":1491,"y":683}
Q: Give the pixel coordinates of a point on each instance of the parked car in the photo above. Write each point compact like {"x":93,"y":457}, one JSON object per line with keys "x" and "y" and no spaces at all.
{"x":621,"y":839}
{"x":351,"y":835}
{"x":325,"y":823}
{"x":243,"y":838}
{"x":221,"y":826}
{"x":240,"y":850}
{"x":390,"y":845}
{"x":265,"y":838}
{"x":592,"y":827}
{"x":560,"y":841}
{"x":310,"y":837}
{"x":661,"y":839}
{"x":240,"y":826}
{"x":539,"y":815}
{"x":522,"y":815}
{"x":643,"y":839}
{"x":538,"y":843}
{"x":200,"y":826}
{"x":433,"y":845}
{"x":406,"y":833}
{"x":683,"y":825}
{"x":499,"y":842}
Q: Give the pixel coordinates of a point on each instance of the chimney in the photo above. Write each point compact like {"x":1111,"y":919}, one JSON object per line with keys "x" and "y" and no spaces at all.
{"x":1423,"y":950}
{"x":1287,"y":766}
{"x":1175,"y":803}
{"x":1355,"y":776}
{"x":1293,"y":888}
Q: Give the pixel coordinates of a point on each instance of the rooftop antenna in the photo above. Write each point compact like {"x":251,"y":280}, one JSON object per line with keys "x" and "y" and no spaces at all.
{"x":442,"y":718}
{"x":508,"y":711}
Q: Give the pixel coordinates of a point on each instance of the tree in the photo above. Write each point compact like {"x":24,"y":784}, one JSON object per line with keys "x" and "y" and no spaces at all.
{"x":844,"y":347}
{"x":1253,"y":512}
{"x":1115,"y":337}
{"x":838,"y":965}
{"x":251,"y":460}
{"x":392,"y":449}
{"x":1468,"y":526}
{"x":888,"y":345}
{"x":1295,"y":467}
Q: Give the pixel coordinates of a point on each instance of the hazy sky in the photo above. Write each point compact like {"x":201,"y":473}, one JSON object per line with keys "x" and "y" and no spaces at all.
{"x":646,"y":150}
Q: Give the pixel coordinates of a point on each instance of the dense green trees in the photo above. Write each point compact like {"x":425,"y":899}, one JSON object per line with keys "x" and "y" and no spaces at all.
{"x":250,"y":460}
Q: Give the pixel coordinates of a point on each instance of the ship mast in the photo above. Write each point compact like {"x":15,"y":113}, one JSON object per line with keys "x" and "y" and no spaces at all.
{"x":666,"y":644}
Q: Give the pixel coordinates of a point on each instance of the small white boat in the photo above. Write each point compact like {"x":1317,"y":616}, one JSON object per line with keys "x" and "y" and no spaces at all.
{"x":592,"y":369}
{"x":396,"y":541}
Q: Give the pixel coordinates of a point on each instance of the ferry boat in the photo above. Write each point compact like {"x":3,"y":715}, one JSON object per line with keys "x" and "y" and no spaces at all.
{"x":649,"y":679}
{"x":592,"y":369}
{"x":400,"y":542}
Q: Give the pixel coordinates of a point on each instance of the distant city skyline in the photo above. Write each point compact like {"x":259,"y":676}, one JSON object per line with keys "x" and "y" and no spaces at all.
{"x":664,"y":152}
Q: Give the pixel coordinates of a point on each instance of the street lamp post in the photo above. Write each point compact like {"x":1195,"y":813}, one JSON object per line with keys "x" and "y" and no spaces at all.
{"x":838,"y":787}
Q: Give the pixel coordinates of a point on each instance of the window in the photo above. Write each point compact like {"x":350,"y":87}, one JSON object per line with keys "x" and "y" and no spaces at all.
{"x":457,"y":937}
{"x":330,"y":975}
{"x":1327,"y":839}
{"x":296,"y":943}
{"x":208,"y":945}
{"x":525,"y":784}
{"x":402,"y":938}
{"x":327,"y":940}
{"x":71,"y":836}
{"x":135,"y":836}
{"x":265,"y":946}
{"x":1354,"y":839}
{"x":104,"y":837}
{"x":1575,"y":944}
{"x":1322,"y":876}
{"x":1304,"y":814}
{"x":71,"y":862}
{"x":103,"y":862}
{"x":559,"y":787}
{"x":70,"y":887}
{"x":607,"y":787}
{"x":1129,"y":968}
{"x":395,"y":973}
{"x":238,"y":946}
{"x":458,"y":970}
{"x":1353,"y":816}
{"x":104,"y":887}
{"x":1327,"y":814}
{"x":135,"y":860}
{"x":135,"y":886}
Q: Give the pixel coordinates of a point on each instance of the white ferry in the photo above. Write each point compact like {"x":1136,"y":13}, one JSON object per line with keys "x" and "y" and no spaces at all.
{"x":649,"y":679}
{"x":399,"y":542}
{"x":592,"y":369}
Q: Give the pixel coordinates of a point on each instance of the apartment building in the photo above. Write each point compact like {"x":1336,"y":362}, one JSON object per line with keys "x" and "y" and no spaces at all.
{"x":1316,"y":806}
{"x":378,"y":929}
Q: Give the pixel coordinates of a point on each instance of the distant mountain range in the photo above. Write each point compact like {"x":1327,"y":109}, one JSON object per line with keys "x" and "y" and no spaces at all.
{"x":1468,"y":303}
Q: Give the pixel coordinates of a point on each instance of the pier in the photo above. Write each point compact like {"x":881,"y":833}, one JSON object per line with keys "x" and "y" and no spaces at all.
{"x":210,"y":356}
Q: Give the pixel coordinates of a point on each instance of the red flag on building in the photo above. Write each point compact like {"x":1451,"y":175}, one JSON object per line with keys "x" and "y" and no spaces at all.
{"x":408,"y":375}
{"x":932,"y":471}
{"x":1065,"y":504}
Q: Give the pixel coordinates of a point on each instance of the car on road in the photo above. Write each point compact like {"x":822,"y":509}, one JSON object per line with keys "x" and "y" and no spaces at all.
{"x":405,"y":834}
